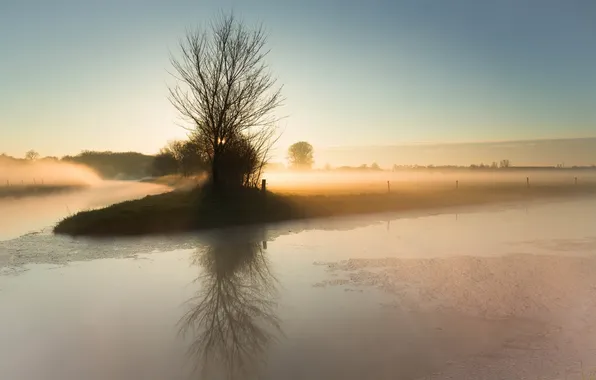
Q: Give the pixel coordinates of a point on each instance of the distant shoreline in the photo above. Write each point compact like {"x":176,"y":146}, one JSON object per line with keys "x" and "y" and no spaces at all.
{"x":184,"y":211}
{"x":22,"y":191}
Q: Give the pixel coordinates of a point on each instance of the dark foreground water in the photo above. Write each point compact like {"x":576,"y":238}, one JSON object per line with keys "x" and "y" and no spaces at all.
{"x":482,"y":293}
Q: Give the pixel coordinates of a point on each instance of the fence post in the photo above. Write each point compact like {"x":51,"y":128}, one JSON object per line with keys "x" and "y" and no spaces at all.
{"x":457,"y":184}
{"x":264,"y":186}
{"x":528,"y":181}
{"x":388,"y":187}
{"x":575,"y":181}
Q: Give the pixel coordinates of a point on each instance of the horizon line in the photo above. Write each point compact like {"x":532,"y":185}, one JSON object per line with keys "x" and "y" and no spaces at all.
{"x":483,"y":142}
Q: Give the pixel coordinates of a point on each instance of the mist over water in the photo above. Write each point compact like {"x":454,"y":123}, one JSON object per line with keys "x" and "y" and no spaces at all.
{"x":18,"y":172}
{"x":34,"y":213}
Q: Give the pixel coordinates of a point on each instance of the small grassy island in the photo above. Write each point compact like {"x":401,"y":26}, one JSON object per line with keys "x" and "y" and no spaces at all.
{"x":181,"y":211}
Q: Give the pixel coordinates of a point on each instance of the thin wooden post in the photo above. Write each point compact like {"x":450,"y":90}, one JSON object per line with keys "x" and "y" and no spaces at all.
{"x":528,"y":181}
{"x":388,"y":187}
{"x":457,"y":184}
{"x":575,"y":181}
{"x":264,"y":186}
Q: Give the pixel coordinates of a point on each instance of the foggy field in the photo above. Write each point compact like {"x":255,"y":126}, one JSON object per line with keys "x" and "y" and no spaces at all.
{"x":26,"y":175}
{"x":40,"y":178}
{"x":333,"y":182}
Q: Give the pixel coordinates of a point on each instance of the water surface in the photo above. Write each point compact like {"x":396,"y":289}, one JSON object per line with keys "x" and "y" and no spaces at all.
{"x":480,"y":293}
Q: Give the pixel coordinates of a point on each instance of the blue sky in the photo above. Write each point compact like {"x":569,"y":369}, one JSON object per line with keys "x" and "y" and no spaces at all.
{"x":92,"y":75}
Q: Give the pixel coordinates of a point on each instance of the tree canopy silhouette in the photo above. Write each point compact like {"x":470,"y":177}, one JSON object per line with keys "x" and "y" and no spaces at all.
{"x":31,"y":155}
{"x":300,"y":155}
{"x":226,"y":92}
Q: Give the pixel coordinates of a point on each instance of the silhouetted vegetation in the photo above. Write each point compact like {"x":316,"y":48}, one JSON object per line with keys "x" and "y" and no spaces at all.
{"x":300,"y":155}
{"x":180,"y":157}
{"x":114,"y":165}
{"x":225,"y":92}
{"x":31,"y":155}
{"x":164,"y":163}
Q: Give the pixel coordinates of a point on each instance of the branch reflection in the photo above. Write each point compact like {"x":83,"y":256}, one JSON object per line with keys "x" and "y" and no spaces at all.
{"x":232,"y":317}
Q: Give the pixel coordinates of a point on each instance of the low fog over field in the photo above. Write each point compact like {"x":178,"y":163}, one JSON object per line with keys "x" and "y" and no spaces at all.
{"x":23,"y":172}
{"x":36,"y":194}
{"x":321,"y":182}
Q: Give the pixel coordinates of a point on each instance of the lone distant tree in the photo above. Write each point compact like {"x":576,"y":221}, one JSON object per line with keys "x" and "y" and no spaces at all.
{"x":300,"y":155}
{"x":225,"y":91}
{"x":31,"y":155}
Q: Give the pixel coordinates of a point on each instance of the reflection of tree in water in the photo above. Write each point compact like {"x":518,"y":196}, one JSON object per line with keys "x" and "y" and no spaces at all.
{"x":233,"y":314}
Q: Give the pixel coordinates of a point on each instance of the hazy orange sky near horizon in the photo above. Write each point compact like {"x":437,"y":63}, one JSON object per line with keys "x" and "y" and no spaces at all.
{"x":80,"y":75}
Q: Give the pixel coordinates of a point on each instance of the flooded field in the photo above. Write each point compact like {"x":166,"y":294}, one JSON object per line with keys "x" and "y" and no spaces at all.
{"x":498,"y":292}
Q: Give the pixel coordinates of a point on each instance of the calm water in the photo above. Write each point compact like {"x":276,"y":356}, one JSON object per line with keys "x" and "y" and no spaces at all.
{"x":483,"y":293}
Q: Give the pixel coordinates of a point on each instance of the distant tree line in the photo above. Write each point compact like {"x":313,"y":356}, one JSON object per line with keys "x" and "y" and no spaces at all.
{"x":108,"y":165}
{"x":114,"y":165}
{"x":187,"y":158}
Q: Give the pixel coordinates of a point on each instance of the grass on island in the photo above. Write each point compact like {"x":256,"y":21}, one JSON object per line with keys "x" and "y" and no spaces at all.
{"x":181,"y":211}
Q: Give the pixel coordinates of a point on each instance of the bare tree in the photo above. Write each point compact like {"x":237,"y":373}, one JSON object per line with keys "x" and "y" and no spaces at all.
{"x":31,"y":155}
{"x":226,"y":92}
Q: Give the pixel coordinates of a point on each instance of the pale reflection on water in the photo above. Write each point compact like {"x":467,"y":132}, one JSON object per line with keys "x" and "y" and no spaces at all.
{"x":232,"y":319}
{"x":479,"y":293}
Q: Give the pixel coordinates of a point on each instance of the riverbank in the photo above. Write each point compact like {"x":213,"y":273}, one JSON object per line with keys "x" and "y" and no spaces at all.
{"x":180,"y":211}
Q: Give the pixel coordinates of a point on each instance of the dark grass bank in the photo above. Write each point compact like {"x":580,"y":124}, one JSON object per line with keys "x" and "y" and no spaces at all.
{"x":197,"y":210}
